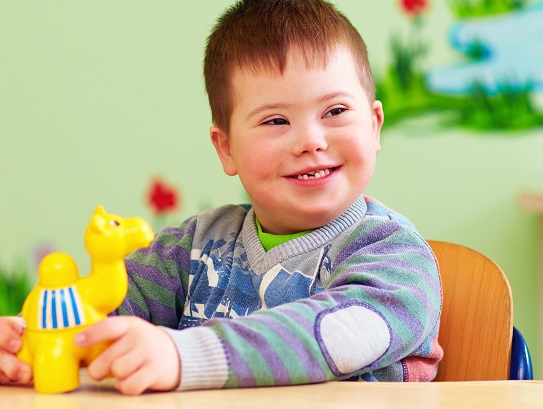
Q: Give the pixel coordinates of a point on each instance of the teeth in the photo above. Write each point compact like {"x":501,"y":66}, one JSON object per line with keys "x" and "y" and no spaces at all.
{"x":315,"y":174}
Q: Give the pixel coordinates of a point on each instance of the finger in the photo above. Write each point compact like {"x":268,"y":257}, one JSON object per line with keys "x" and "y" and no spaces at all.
{"x":4,"y":379}
{"x":14,"y":369}
{"x":127,"y":364}
{"x":10,"y":334}
{"x":12,"y":344}
{"x":19,"y":323}
{"x":136,"y":383}
{"x":108,"y":329}
{"x":146,"y":376}
{"x":102,"y":365}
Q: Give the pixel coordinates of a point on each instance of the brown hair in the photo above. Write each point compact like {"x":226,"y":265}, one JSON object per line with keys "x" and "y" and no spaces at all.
{"x":257,"y":34}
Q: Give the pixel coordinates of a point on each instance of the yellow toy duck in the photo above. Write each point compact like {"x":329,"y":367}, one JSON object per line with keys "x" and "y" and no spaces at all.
{"x":63,"y":303}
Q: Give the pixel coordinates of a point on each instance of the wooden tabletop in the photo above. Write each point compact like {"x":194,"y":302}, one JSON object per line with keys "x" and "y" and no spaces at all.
{"x":465,"y":395}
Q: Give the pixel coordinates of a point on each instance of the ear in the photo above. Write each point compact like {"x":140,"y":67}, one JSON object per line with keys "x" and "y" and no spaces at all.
{"x":378,"y":117}
{"x":222,"y":146}
{"x":97,"y":223}
{"x":100,"y":210}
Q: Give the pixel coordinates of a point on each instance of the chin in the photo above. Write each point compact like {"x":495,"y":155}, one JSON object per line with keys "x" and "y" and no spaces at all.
{"x":315,"y":219}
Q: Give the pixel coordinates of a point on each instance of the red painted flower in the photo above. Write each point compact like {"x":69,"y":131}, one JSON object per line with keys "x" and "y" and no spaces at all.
{"x":162,"y":198}
{"x":414,"y":7}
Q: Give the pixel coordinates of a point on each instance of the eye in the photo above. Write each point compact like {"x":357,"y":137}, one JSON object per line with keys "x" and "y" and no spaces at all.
{"x":276,"y":121}
{"x":114,"y":223}
{"x":335,"y":111}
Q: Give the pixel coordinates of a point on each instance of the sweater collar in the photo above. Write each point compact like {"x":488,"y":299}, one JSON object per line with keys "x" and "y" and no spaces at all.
{"x":261,"y":261}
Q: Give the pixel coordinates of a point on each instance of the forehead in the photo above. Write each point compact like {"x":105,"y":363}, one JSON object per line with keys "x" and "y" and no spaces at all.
{"x":337,"y":67}
{"x":275,"y":65}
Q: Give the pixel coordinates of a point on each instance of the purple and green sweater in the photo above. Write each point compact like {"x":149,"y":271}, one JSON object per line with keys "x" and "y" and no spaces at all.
{"x":359,"y":298}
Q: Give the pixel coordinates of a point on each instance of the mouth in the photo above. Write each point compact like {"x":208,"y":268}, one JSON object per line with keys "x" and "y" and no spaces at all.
{"x":314,"y":174}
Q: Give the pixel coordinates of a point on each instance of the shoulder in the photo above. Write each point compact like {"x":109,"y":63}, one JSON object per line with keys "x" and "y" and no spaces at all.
{"x":216,"y":226}
{"x":385,"y":225}
{"x":223,"y":218}
{"x":211,"y":222}
{"x":378,"y":210}
{"x":177,"y":242}
{"x":386,"y":240}
{"x":218,"y":217}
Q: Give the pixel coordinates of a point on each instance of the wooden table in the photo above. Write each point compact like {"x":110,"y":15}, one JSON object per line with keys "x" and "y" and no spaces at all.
{"x":454,"y":395}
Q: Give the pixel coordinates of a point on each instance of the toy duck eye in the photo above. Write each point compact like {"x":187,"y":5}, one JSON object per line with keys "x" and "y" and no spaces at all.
{"x":114,"y":223}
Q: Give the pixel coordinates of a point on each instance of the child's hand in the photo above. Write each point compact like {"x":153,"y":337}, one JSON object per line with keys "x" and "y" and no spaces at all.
{"x":11,"y":369}
{"x":142,"y":356}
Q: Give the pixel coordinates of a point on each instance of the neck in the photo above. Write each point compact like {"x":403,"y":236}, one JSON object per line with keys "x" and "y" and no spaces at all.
{"x":109,"y":279}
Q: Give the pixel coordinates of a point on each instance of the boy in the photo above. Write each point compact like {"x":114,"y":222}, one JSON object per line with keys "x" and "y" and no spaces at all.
{"x":313,"y":281}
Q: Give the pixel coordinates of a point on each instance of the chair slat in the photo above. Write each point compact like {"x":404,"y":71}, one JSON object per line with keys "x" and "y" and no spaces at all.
{"x":476,"y":322}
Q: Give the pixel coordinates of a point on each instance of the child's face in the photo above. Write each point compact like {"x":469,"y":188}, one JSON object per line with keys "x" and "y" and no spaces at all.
{"x":303,"y":143}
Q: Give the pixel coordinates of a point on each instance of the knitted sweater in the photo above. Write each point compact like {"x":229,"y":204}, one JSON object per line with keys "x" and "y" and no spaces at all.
{"x":359,"y":298}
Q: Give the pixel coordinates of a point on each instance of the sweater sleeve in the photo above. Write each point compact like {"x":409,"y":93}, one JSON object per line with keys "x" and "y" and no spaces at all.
{"x":158,"y":277}
{"x":377,"y":319}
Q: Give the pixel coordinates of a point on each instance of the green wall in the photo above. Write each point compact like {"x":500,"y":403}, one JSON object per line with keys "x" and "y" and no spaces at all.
{"x":98,"y":97}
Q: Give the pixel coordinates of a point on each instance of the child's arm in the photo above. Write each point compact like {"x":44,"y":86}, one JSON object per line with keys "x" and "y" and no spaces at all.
{"x":142,"y":356}
{"x":11,"y":369}
{"x":378,"y":318}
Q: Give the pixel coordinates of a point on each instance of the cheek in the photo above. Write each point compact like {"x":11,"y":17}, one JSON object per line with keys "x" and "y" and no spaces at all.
{"x":261,"y":157}
{"x":244,"y":153}
{"x":254,"y":164}
{"x":359,"y":147}
{"x":362,"y":158}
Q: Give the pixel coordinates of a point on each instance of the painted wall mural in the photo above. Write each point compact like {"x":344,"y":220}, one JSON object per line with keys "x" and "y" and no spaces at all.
{"x":492,"y":88}
{"x":163,"y":200}
{"x":494,"y":85}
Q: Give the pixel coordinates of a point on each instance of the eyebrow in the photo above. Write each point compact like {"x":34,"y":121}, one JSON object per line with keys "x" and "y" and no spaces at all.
{"x":266,"y":107}
{"x":333,"y":95}
{"x":321,"y":99}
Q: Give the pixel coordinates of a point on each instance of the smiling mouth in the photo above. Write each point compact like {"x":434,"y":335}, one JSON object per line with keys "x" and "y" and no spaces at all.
{"x":315,"y":174}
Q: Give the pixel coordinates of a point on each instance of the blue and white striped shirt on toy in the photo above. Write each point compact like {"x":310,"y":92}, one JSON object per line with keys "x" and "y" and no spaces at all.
{"x":60,"y":308}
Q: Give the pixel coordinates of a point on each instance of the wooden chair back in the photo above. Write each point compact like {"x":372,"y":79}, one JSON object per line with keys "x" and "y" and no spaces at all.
{"x":477,"y":318}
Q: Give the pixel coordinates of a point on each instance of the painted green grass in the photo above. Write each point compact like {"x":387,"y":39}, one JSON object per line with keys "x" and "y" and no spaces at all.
{"x":403,"y":93}
{"x":510,"y":107}
{"x":402,"y":90}
{"x":15,"y":284}
{"x":481,"y":8}
{"x":402,"y":103}
{"x":405,"y":58}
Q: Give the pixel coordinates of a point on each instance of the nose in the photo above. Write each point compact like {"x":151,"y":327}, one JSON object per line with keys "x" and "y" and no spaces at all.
{"x":309,"y":139}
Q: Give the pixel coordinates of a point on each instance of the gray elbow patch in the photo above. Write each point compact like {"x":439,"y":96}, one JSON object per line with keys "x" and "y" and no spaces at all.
{"x":352,"y":336}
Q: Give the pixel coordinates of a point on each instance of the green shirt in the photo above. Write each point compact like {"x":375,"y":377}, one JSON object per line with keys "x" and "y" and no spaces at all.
{"x":269,"y":240}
